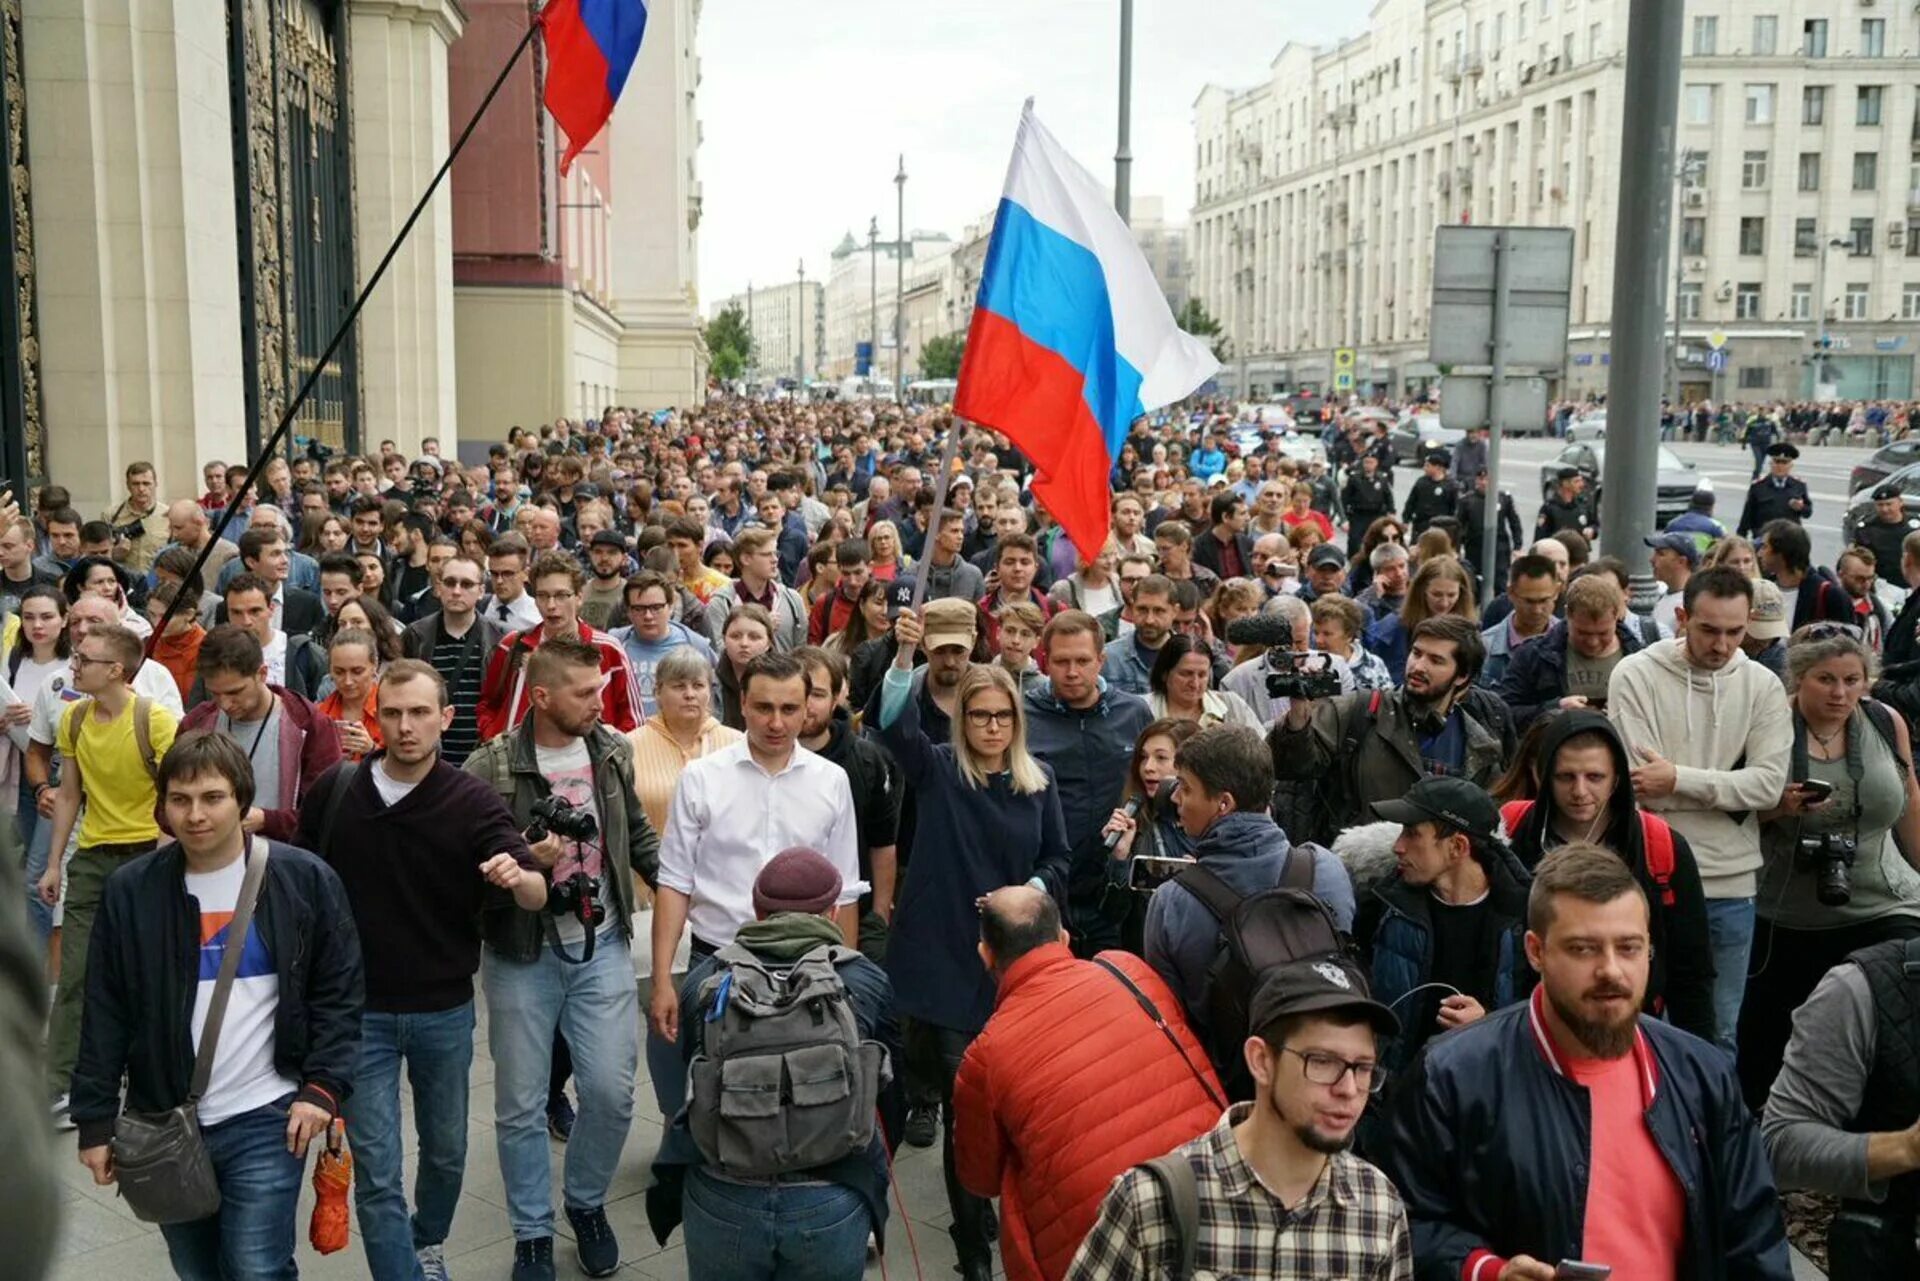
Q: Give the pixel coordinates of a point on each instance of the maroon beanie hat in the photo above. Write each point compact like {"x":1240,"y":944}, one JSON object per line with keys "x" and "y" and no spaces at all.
{"x":796,"y":880}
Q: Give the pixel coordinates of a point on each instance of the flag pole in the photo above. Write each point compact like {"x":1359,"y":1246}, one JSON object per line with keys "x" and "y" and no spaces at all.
{"x":272,"y":443}
{"x":947,"y":454}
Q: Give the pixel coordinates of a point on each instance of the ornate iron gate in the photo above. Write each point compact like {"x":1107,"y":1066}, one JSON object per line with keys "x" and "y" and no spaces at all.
{"x":21,"y":460}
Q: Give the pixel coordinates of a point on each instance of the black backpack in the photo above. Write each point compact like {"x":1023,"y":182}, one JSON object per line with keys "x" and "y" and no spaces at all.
{"x":1257,"y":932}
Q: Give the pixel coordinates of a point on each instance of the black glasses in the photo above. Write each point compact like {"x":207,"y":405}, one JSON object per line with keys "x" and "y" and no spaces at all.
{"x":1828,"y":631}
{"x":980,"y":717}
{"x":1328,"y":1069}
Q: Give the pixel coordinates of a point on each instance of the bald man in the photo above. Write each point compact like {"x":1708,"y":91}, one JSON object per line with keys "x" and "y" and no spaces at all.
{"x":188,"y":527}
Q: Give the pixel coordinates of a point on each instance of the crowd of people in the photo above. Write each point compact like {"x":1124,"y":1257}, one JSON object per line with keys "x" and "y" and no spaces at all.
{"x":1265,"y":893}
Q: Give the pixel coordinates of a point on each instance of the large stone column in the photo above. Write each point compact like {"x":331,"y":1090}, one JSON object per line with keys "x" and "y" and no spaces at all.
{"x":656,"y":212}
{"x":397,"y":52}
{"x":131,"y":151}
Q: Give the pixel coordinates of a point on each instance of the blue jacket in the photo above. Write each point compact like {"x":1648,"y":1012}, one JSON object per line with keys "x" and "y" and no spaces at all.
{"x":1387,"y":640}
{"x":1536,"y":676}
{"x":1249,"y":852}
{"x":1488,"y":1141}
{"x":1498,"y":639}
{"x":1123,"y":667}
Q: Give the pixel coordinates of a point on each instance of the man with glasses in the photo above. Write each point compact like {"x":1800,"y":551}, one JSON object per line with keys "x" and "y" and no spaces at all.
{"x":510,"y":605}
{"x":651,"y":633}
{"x":458,"y":640}
{"x":110,"y":741}
{"x":557,"y":580}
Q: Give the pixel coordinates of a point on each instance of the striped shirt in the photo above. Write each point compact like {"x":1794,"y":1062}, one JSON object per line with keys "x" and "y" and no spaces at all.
{"x":462,"y":665}
{"x":1351,"y":1225}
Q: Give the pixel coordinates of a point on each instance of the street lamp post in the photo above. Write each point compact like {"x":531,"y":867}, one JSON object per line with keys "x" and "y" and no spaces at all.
{"x":1123,"y":154}
{"x":753,"y":352}
{"x":800,"y":331}
{"x":873,"y":293}
{"x":900,"y":287}
{"x":1820,"y":351}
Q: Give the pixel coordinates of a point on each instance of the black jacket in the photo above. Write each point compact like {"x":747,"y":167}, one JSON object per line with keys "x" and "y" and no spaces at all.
{"x":143,"y":972}
{"x":1489,"y":1141}
{"x":1767,"y":502}
{"x":1426,"y":499}
{"x":1680,"y":974}
{"x":1536,"y":676}
{"x":1209,"y":552}
{"x":300,"y":612}
{"x":875,"y":781}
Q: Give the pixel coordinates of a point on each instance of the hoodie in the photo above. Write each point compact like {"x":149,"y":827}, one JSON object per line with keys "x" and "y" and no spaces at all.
{"x":1680,"y":975}
{"x":1728,"y":734}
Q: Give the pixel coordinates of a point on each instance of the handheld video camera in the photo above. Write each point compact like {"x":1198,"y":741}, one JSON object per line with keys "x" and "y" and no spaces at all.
{"x":1301,"y":675}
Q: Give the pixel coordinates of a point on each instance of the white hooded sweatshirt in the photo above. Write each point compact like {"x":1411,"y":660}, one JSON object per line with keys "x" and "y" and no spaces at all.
{"x":1729,"y":735}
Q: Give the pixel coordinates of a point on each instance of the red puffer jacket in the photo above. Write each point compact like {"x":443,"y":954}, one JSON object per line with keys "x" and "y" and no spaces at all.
{"x":1067,"y":1087}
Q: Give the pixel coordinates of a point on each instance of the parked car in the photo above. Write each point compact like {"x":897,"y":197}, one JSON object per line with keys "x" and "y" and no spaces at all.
{"x":1860,"y":506}
{"x":1415,"y":435}
{"x":1884,"y":462}
{"x":1675,"y":481}
{"x":1592,"y":427}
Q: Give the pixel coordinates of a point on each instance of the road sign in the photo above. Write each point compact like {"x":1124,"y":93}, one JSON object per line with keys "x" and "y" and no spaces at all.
{"x":1539,"y":282}
{"x":1463,"y":403}
{"x":1343,"y":369}
{"x":1716,"y":360}
{"x":1717,"y":339}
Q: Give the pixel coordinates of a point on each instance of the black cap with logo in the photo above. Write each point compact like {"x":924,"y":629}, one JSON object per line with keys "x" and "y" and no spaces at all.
{"x":1453,"y":802}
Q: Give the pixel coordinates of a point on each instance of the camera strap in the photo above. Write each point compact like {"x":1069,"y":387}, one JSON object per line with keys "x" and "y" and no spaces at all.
{"x":1800,"y":764}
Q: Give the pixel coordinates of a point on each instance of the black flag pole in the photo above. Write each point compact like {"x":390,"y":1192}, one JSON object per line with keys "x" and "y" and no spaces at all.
{"x":272,"y":442}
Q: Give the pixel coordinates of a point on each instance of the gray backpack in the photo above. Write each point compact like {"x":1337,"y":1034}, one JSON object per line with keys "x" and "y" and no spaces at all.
{"x":782,"y":1082}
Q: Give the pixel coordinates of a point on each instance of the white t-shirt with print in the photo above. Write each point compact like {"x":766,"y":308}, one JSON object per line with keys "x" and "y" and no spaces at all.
{"x":243,"y":1076}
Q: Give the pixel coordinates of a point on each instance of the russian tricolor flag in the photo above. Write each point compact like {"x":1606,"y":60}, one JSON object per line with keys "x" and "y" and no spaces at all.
{"x":591,"y":45}
{"x":1071,"y":338}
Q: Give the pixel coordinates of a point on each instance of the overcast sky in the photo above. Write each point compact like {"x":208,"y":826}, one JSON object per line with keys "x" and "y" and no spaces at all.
{"x":807,"y":105}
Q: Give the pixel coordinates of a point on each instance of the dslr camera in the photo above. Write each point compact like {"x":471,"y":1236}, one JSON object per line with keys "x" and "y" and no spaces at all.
{"x":318,"y":450}
{"x":1830,"y":856}
{"x":556,"y":814}
{"x":1295,"y":674}
{"x":578,"y":896}
{"x":131,"y":532}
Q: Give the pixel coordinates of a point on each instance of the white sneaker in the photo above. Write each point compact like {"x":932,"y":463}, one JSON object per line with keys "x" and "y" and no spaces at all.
{"x":62,"y":1119}
{"x":433,"y":1262}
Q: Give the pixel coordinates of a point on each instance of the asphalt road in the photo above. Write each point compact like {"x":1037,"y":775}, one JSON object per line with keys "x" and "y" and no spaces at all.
{"x":1730,"y":467}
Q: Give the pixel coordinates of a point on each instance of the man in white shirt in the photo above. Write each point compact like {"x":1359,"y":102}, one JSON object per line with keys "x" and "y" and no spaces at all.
{"x":248,"y":606}
{"x":736,"y":809}
{"x":1675,"y":557}
{"x":511,"y":605}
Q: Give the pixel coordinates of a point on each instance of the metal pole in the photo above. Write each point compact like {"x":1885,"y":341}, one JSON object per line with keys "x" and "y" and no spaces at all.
{"x":873,"y":294}
{"x":753,"y":348}
{"x":1651,"y":105}
{"x":1123,"y":154}
{"x":800,"y":331}
{"x":900,"y":288}
{"x":1679,"y":263}
{"x":947,"y":456}
{"x":1820,"y":319}
{"x":1496,"y":398}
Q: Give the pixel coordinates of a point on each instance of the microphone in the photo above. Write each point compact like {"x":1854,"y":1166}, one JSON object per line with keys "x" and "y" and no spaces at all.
{"x":1261,"y":629}
{"x":1161,"y":795}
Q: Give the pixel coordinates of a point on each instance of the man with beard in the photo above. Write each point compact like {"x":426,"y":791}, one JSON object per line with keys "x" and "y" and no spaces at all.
{"x":1128,"y":659}
{"x":1272,"y":1190}
{"x":1571,"y":1128}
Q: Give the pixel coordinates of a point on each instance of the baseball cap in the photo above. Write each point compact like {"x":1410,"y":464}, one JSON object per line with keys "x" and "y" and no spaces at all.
{"x":1767,"y":620}
{"x":1681,"y":543}
{"x":1326,"y":554}
{"x":948,"y":622}
{"x":1452,"y":801}
{"x":1328,"y":982}
{"x":1883,"y":492}
{"x":607,"y":538}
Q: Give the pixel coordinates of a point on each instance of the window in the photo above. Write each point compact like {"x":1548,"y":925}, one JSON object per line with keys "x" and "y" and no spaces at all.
{"x":1860,"y":238}
{"x":1806,"y":238}
{"x":1755,"y":377}
{"x":1693,"y":236}
{"x":1813,"y":38}
{"x":1855,"y":307}
{"x":1800,"y":307}
{"x":1873,"y":37}
{"x":1753,"y":171}
{"x":1746,"y":300}
{"x":1760,"y":105}
{"x":1813,"y":105}
{"x":1866,"y":104}
{"x":1706,"y":35}
{"x":1766,"y":33}
{"x":1753,"y":236}
{"x":1690,"y":301}
{"x":1809,"y":171}
{"x":1866,"y":171}
{"x":1913,"y":238}
{"x":1910,"y":302}
{"x":1699,"y":104}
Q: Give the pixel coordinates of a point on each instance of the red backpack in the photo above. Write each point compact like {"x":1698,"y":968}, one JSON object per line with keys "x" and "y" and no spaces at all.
{"x":1654,"y":834}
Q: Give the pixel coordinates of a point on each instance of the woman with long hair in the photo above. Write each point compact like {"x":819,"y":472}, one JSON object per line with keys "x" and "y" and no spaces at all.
{"x":1384,"y":529}
{"x":100,"y":576}
{"x":37,"y":663}
{"x":363,"y":613}
{"x":313,"y":530}
{"x":988,"y":815}
{"x":353,"y":661}
{"x":1179,"y":687}
{"x":868,"y":620}
{"x":1233,"y":600}
{"x":1153,"y":831}
{"x":719,"y":557}
{"x":747,"y":634}
{"x":888,"y":561}
{"x":475,"y":538}
{"x":1734,"y":552}
{"x":1442,"y":585}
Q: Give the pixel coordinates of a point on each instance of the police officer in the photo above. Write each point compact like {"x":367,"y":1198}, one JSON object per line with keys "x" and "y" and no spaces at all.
{"x":1760,"y":438}
{"x":1886,"y":532}
{"x":1567,"y":508}
{"x":1780,"y":495}
{"x":1473,"y":515}
{"x":1434,"y":494}
{"x":1367,"y":496}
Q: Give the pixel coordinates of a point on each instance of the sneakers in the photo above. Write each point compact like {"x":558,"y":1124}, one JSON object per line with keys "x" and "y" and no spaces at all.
{"x":62,"y":1120}
{"x":433,"y":1262}
{"x":593,"y":1235}
{"x":922,"y":1127}
{"x":533,"y":1260}
{"x":560,"y":1117}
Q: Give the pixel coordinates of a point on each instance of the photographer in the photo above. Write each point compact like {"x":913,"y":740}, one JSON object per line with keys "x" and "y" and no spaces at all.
{"x":1839,"y":848}
{"x":569,"y":781}
{"x":1268,"y":683}
{"x":139,"y":524}
{"x":420,"y":849}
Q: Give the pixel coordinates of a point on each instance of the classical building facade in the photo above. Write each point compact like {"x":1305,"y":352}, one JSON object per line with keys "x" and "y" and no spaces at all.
{"x":861,"y":302}
{"x":789,"y":327}
{"x":1317,"y":192}
{"x":574,"y":293}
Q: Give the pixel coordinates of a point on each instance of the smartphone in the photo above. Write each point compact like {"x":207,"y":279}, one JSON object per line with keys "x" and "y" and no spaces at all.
{"x":1816,"y":789}
{"x":1149,"y":872}
{"x":1575,"y":1270}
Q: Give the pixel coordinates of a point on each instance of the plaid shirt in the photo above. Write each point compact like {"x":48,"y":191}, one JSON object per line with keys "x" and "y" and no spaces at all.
{"x":1351,"y":1225}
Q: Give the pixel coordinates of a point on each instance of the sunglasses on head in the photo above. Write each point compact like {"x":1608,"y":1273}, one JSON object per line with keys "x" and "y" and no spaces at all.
{"x":1829,"y":631}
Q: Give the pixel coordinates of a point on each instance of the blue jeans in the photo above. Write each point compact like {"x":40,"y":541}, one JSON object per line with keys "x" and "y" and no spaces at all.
{"x":251,"y":1237}
{"x":36,"y":835}
{"x":743,"y":1232}
{"x":598,"y":1007}
{"x":438,"y":1051}
{"x":1730,"y":933}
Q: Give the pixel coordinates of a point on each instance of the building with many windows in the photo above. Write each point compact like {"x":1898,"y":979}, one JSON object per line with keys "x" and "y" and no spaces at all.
{"x":1318,"y":191}
{"x":788,"y":325}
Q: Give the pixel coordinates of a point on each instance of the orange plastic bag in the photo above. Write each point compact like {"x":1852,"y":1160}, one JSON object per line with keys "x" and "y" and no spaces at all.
{"x":332,"y":1177}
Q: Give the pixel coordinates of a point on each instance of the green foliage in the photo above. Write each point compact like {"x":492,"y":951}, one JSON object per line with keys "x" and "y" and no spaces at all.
{"x":729,"y":344}
{"x":941,"y":356}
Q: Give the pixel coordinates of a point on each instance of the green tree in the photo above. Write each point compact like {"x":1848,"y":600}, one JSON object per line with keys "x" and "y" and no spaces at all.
{"x":729,"y":344}
{"x":941,"y":355}
{"x":1198,"y":321}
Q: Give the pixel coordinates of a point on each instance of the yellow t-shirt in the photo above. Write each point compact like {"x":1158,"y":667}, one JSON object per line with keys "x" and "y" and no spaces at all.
{"x":119,"y":792}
